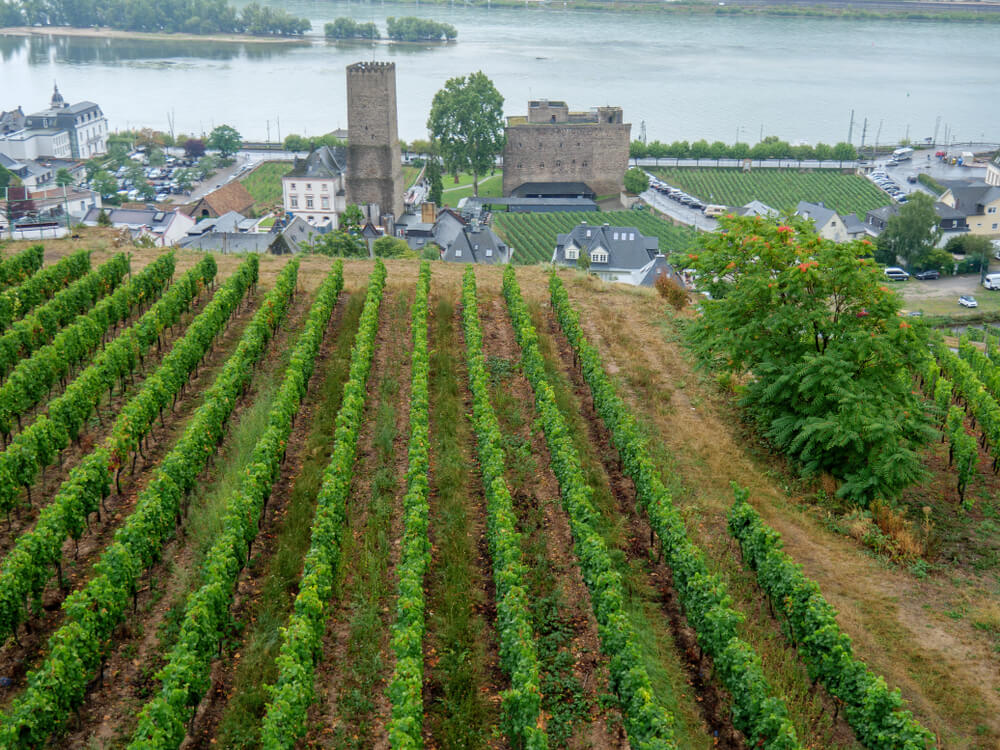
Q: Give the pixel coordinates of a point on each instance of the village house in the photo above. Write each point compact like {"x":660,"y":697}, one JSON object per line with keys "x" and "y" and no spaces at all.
{"x":166,"y":228}
{"x":315,"y":188}
{"x":829,"y":225}
{"x":978,"y":203}
{"x":620,"y":254}
{"x":230,"y":197}
{"x":66,"y":131}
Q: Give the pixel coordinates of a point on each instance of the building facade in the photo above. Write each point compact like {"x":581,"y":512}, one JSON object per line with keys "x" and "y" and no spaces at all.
{"x":315,"y":189}
{"x":551,"y":144}
{"x":374,"y":159}
{"x":84,"y":122}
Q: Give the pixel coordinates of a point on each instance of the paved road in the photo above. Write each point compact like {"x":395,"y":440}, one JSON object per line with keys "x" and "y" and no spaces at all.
{"x":680,"y":212}
{"x":220,"y":178}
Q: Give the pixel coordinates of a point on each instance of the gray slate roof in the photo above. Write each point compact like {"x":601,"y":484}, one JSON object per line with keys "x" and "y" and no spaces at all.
{"x":133,"y":217}
{"x":230,"y":242}
{"x":552,"y":190}
{"x":629,"y":252}
{"x":854,"y":224}
{"x":815,"y":211}
{"x":324,"y":163}
{"x":478,"y":244}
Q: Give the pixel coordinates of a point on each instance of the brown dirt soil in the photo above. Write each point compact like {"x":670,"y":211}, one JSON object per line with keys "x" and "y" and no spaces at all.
{"x":16,"y":659}
{"x":205,"y":722}
{"x":334,"y":675}
{"x":110,"y":712}
{"x":541,"y":490}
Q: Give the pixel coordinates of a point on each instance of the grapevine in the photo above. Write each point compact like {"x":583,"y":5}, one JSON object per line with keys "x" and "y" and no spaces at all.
{"x":18,"y":268}
{"x":37,"y":329}
{"x":810,"y":623}
{"x":185,"y":678}
{"x":39,"y":445}
{"x":285,"y":718}
{"x":32,"y":379}
{"x":648,"y":723}
{"x":76,"y":651}
{"x":762,"y":717}
{"x":406,"y":688}
{"x":18,"y":301}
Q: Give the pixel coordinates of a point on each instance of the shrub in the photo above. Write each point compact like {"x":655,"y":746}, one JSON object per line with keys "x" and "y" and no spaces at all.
{"x":671,"y":291}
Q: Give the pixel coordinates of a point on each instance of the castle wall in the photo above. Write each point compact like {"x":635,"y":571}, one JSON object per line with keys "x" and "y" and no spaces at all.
{"x":594,"y":153}
{"x":374,"y":160}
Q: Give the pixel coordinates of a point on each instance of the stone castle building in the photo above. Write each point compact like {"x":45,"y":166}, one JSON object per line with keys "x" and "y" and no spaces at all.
{"x":374,"y":160}
{"x":551,"y":150}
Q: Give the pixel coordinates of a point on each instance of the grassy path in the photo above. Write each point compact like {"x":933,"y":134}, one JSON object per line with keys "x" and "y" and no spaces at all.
{"x":462,"y":678}
{"x":232,"y":716}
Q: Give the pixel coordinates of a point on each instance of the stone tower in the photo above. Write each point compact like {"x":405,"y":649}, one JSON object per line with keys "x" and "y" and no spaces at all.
{"x":374,"y":161}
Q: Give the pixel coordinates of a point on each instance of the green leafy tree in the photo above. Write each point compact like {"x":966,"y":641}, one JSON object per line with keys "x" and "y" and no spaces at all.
{"x":157,"y":158}
{"x":64,"y":178}
{"x":845,"y":152}
{"x":103,"y":220}
{"x":466,"y":122}
{"x":184,"y":178}
{"x":421,"y":146}
{"x":225,"y":139}
{"x":104,"y":183}
{"x":913,"y":232}
{"x":636,"y":181}
{"x":339,"y":244}
{"x":352,"y":218}
{"x":146,"y":190}
{"x":430,"y":252}
{"x":391,"y":247}
{"x":295,"y":142}
{"x":118,"y":153}
{"x":433,"y":175}
{"x":814,"y":337}
{"x":583,"y":261}
{"x":637,"y":150}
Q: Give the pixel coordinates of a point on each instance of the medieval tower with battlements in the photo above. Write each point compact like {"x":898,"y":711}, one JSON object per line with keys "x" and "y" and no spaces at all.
{"x":374,"y":160}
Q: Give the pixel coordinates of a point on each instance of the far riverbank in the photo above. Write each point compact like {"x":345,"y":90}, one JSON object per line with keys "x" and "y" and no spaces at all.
{"x":105,"y":33}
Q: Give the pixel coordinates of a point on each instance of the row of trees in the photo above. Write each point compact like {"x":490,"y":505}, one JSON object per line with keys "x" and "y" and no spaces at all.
{"x":295,"y":142}
{"x":413,"y":29}
{"x":187,"y":16}
{"x":769,"y":148}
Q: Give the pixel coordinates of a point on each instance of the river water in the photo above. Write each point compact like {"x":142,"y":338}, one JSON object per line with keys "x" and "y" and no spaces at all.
{"x":686,"y":77}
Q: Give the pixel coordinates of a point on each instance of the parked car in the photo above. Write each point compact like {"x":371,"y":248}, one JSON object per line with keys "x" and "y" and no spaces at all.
{"x":912,"y":179}
{"x":928,"y":275}
{"x":967,"y":300}
{"x":892,"y":273}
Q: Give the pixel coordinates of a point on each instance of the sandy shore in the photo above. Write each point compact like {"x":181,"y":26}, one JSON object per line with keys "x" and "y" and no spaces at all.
{"x":105,"y":33}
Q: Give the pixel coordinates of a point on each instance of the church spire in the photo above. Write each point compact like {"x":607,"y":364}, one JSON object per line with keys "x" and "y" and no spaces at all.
{"x":57,"y":99}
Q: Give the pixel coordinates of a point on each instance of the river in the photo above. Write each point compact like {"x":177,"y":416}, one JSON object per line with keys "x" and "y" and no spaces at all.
{"x":686,"y":77}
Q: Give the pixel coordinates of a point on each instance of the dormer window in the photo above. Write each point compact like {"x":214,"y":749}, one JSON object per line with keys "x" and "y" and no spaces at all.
{"x":599,"y":255}
{"x":631,"y":236}
{"x":588,"y":232}
{"x":489,"y":252}
{"x":615,"y":236}
{"x":572,"y":252}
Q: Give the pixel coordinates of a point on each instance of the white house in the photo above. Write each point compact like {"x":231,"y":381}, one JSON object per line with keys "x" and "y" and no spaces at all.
{"x":829,"y":225}
{"x":167,"y":228}
{"x":315,"y":189}
{"x":620,"y":254}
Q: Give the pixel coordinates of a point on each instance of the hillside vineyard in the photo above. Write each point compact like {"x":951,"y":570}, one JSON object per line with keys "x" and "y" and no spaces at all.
{"x":277,"y":503}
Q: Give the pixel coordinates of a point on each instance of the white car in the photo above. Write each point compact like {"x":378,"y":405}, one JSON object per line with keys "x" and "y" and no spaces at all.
{"x":967,"y":300}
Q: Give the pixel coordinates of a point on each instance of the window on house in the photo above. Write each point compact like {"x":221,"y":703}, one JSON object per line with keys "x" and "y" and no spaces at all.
{"x":325,"y":201}
{"x":572,"y":253}
{"x":476,"y":246}
{"x":309,"y":201}
{"x":991,"y":210}
{"x":631,"y":236}
{"x":615,"y":236}
{"x":588,"y":232}
{"x":294,"y":201}
{"x":309,"y":186}
{"x":458,"y":253}
{"x":599,"y":256}
{"x":324,"y":187}
{"x":994,"y":225}
{"x":489,"y":252}
{"x":293,"y":186}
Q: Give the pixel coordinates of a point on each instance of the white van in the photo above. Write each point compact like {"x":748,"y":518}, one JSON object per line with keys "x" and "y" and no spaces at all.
{"x":992,"y":281}
{"x":714,"y":210}
{"x":902,"y":154}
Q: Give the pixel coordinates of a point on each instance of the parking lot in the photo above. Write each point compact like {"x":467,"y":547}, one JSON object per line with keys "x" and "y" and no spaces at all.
{"x":940,"y":297}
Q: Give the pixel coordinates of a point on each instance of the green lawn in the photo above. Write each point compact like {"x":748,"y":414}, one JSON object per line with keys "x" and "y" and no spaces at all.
{"x":264,"y":183}
{"x":533,"y":236}
{"x":779,"y":188}
{"x":489,"y":187}
{"x":410,"y":175}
